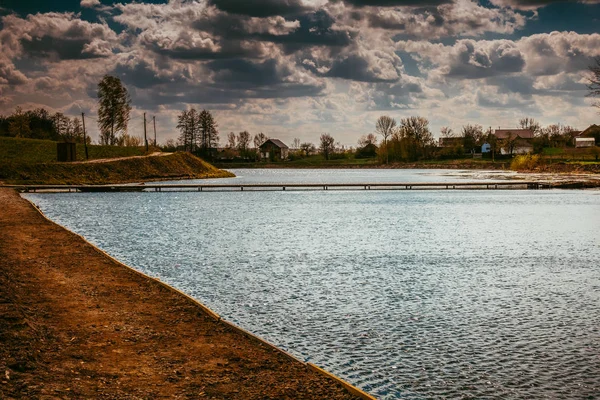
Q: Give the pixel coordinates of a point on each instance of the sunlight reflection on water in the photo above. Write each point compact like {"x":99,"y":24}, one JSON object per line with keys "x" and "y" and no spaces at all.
{"x":407,"y":294}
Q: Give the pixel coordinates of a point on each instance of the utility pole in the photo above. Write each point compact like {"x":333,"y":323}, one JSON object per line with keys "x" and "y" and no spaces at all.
{"x":154,"y":122}
{"x":145,"y":138}
{"x":84,"y":137}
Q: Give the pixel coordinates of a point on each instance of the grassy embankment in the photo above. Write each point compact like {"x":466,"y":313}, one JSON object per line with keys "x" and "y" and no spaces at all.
{"x":29,"y":161}
{"x":318,"y":161}
{"x":552,"y":160}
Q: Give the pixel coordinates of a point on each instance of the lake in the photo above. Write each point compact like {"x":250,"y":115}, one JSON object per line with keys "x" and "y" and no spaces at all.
{"x":405,"y":294}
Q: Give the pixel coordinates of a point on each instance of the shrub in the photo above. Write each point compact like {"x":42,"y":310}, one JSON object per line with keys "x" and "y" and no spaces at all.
{"x":526,"y":162}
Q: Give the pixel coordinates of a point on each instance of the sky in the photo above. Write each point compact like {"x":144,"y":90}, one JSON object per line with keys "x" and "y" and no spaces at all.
{"x":301,"y":68}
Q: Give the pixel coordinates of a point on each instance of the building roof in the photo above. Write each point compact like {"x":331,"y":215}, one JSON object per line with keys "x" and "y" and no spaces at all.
{"x":276,"y":142}
{"x":522,"y":133}
{"x":590,"y":130}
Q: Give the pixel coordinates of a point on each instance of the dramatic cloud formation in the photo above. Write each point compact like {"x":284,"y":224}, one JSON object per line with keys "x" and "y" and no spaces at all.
{"x":298,"y":68}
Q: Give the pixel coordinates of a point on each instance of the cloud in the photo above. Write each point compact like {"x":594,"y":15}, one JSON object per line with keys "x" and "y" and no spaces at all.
{"x":9,"y":74}
{"x":261,"y":8}
{"x":536,"y":55}
{"x":458,"y":18}
{"x":89,"y":3}
{"x":533,"y":4}
{"x":396,"y":3}
{"x":58,"y":35}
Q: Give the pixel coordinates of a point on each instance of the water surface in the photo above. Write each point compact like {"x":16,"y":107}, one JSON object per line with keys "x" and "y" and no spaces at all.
{"x":406,"y":294}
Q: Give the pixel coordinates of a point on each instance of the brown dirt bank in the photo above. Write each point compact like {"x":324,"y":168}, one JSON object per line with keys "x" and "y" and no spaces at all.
{"x":75,"y":324}
{"x":122,"y":170}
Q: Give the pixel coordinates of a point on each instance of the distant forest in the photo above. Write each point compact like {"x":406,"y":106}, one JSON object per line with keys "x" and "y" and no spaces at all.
{"x":40,"y":124}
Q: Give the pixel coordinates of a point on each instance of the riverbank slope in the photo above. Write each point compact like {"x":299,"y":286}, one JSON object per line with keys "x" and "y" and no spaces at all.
{"x":158,"y":166}
{"x":76,"y":324}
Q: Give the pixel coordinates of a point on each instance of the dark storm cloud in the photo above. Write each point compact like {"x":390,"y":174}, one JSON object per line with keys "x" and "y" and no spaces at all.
{"x":472,"y":61}
{"x":355,"y":68}
{"x":534,"y":4}
{"x":245,"y":74}
{"x":396,"y":3}
{"x":141,"y":75}
{"x":315,"y":30}
{"x":63,"y":48}
{"x":261,"y":8}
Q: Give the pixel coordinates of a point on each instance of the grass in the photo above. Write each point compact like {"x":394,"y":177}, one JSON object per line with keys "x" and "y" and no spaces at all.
{"x":32,"y":151}
{"x":31,"y":161}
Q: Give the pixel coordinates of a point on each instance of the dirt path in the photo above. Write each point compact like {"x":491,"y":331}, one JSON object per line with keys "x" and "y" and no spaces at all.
{"x":104,"y":160}
{"x":75,"y":324}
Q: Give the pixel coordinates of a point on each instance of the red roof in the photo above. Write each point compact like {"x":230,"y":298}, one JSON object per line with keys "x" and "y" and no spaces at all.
{"x":522,"y":133}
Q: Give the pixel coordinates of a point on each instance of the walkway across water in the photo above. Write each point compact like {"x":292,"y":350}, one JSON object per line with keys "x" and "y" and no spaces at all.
{"x":513,"y":184}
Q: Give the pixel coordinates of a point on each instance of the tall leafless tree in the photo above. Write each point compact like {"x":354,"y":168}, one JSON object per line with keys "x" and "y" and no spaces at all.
{"x":594,"y":82}
{"x":385,"y":127}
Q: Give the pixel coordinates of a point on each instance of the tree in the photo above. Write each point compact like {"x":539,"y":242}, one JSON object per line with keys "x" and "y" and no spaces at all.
{"x":327,"y":145}
{"x":594,"y":81}
{"x":243,"y":142}
{"x":493,"y":141}
{"x":113,"y":109}
{"x":184,"y":126}
{"x":208,"y":131}
{"x":472,"y":136}
{"x":531,"y":124}
{"x":417,"y":134}
{"x":385,"y":127}
{"x":296,"y":143}
{"x":231,"y":140}
{"x":19,"y":126}
{"x":308,"y":148}
{"x":447,"y":132}
{"x":367,"y":140}
{"x":259,"y":139}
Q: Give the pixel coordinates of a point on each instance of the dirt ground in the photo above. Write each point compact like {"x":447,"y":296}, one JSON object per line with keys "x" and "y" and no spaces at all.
{"x":74,"y":324}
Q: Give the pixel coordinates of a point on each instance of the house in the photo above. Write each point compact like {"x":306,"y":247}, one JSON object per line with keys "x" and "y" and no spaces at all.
{"x":274,"y":149}
{"x":585,"y":142}
{"x":593,"y":131}
{"x":526,"y":134}
{"x":368,"y":151}
{"x":518,"y":141}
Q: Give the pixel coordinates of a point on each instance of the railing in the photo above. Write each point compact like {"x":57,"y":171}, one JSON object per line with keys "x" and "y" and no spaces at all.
{"x":514,"y":184}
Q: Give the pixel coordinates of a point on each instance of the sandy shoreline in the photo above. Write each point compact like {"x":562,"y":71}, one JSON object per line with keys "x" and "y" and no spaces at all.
{"x":75,"y":324}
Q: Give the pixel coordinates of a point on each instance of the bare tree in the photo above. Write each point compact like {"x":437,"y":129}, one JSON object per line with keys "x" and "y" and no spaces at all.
{"x":243,"y":140}
{"x":296,"y":143}
{"x":385,"y":127}
{"x":447,"y":132}
{"x":231,"y":140}
{"x":594,"y":82}
{"x":327,"y":145}
{"x":209,"y":135}
{"x":367,"y":140}
{"x":259,"y":139}
{"x":531,"y":124}
{"x":308,"y":148}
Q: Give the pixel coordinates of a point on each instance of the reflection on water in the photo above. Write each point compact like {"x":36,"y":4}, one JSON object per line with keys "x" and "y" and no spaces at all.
{"x":437,"y":294}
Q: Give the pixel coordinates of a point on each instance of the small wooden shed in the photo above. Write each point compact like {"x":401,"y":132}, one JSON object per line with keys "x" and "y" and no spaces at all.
{"x":274,"y":149}
{"x":66,"y":151}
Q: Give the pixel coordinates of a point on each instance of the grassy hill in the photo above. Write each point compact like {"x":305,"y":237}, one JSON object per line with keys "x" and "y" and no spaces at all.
{"x":29,"y":161}
{"x":30,"y":151}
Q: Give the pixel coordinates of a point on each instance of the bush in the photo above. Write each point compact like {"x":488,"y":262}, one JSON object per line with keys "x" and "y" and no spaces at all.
{"x":526,"y":162}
